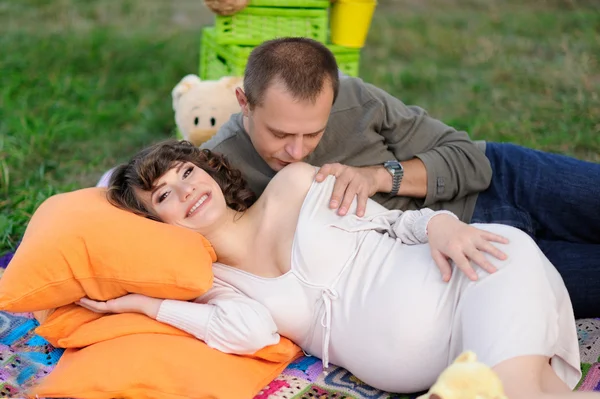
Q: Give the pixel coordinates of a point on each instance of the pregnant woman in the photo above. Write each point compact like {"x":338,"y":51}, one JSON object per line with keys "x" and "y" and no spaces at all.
{"x":363,"y":293}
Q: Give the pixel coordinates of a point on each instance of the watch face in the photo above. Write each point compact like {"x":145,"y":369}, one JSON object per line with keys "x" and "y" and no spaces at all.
{"x":392,"y":165}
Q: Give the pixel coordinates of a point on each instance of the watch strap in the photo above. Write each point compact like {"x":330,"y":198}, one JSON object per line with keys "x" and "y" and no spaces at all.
{"x":397,"y":172}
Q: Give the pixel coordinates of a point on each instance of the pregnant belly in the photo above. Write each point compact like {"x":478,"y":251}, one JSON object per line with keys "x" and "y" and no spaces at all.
{"x":392,"y":321}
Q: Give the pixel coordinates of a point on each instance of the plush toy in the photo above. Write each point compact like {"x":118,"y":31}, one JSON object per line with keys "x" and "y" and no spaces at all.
{"x":226,"y":7}
{"x":203,"y":106}
{"x":466,"y":378}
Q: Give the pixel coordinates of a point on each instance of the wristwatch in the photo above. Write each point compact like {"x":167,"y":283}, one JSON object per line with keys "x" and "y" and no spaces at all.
{"x":397,"y":171}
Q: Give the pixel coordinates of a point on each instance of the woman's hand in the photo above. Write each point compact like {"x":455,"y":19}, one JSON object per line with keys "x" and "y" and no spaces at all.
{"x":450,"y":238}
{"x":131,"y":303}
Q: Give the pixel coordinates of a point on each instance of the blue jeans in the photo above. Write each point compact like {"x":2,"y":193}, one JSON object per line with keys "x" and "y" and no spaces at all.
{"x":556,"y":200}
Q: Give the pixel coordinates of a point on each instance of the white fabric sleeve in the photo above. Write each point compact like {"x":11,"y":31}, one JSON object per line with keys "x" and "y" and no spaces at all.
{"x":223,"y":318}
{"x":411,"y":226}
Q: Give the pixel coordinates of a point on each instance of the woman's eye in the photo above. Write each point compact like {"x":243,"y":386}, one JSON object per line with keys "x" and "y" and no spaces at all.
{"x":188,"y":171}
{"x":163,"y":196}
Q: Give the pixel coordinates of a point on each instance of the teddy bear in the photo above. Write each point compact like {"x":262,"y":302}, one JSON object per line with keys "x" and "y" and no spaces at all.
{"x":203,"y":106}
{"x":466,"y":378}
{"x":226,"y":7}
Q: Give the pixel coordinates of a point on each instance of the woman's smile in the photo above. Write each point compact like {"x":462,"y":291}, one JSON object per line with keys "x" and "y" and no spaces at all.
{"x":198,"y":205}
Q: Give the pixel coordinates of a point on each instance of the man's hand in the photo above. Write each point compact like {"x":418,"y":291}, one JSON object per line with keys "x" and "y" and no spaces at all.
{"x":131,"y":303}
{"x":351,"y":182}
{"x":449,"y":238}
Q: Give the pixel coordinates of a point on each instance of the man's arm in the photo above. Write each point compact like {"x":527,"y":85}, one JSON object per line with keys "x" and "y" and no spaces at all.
{"x":414,"y":181}
{"x":440,"y":162}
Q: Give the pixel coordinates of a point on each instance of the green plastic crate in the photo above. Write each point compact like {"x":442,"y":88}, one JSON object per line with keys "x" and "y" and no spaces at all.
{"x":254,"y":25}
{"x":220,"y":60}
{"x":212,"y":66}
{"x":290,"y":3}
{"x":230,"y":60}
{"x":348,"y":59}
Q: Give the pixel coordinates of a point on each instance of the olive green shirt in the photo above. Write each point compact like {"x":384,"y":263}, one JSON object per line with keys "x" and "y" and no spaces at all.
{"x":367,"y":126}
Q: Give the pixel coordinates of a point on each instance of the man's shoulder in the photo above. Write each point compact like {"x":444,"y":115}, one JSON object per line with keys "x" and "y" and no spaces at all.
{"x":353,"y":93}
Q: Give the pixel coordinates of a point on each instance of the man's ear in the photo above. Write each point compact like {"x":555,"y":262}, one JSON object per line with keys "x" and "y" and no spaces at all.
{"x":242,"y":101}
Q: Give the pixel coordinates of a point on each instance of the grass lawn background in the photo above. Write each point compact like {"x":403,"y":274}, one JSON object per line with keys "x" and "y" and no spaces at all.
{"x":84,"y":84}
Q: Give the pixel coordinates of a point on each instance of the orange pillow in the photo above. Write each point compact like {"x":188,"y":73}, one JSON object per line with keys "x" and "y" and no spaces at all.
{"x":65,"y":321}
{"x":77,"y":244}
{"x":156,"y":366}
{"x":72,"y":326}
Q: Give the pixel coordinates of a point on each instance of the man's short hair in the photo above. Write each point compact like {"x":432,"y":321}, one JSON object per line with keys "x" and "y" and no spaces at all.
{"x":303,"y":65}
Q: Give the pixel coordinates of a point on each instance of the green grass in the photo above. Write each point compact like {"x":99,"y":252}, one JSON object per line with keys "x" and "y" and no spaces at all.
{"x":84,"y":84}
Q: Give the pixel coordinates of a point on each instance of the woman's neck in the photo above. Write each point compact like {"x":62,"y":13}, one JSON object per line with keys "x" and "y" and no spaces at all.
{"x":233,"y":239}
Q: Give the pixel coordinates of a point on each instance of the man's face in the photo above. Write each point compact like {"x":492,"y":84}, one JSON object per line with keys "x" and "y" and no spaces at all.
{"x":284,"y":130}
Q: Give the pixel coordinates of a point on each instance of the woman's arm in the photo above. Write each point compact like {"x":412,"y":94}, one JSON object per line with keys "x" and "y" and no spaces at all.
{"x":223,"y":318}
{"x":412,"y":227}
{"x":450,"y":240}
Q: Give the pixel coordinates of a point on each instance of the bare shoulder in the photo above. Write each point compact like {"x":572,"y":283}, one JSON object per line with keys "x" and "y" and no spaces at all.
{"x":297,"y":170}
{"x":281,"y":203}
{"x":292,"y":181}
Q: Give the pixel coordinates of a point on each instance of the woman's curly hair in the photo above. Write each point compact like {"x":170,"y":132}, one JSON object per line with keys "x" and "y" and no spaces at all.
{"x":144,"y":169}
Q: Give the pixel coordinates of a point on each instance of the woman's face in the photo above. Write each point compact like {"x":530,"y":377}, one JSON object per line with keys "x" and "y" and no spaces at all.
{"x":186,"y":196}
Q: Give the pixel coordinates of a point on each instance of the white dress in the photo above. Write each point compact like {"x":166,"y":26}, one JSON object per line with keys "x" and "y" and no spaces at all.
{"x":362,"y":293}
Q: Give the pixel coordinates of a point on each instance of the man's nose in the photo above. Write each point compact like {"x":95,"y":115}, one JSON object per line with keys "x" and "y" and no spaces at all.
{"x":295,"y":149}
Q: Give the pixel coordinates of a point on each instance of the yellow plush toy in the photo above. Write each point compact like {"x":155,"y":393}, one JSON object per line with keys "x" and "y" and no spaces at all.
{"x":466,"y":378}
{"x":203,"y":106}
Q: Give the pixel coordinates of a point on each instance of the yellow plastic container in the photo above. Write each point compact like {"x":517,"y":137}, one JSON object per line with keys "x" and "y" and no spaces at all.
{"x":350,"y":21}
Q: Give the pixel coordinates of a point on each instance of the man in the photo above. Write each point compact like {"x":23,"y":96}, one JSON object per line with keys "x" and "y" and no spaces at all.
{"x":295,"y":107}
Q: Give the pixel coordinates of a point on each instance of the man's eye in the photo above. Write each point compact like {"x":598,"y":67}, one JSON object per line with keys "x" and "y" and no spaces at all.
{"x":188,"y":171}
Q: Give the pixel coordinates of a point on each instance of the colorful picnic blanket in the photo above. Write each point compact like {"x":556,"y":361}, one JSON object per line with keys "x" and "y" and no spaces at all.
{"x":25,"y":357}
